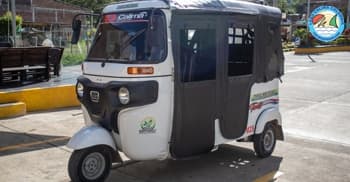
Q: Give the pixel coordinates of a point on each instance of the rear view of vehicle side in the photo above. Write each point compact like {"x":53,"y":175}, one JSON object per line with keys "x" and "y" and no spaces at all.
{"x":175,"y":79}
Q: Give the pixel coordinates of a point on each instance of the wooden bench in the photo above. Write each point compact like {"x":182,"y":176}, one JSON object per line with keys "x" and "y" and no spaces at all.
{"x":24,"y":64}
{"x":55,"y":55}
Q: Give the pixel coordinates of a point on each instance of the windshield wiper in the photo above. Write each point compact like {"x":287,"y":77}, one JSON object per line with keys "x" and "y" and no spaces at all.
{"x":110,"y":58}
{"x":103,"y":64}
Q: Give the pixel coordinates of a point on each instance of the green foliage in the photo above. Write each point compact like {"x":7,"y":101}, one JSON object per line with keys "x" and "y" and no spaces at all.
{"x":74,"y":55}
{"x":69,"y":59}
{"x":342,"y":41}
{"x":5,"y":23}
{"x":292,"y":6}
{"x":285,"y":7}
{"x":95,"y":5}
{"x":301,"y":33}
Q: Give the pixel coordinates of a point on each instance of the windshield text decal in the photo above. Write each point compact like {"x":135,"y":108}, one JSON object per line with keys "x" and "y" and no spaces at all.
{"x":132,"y":17}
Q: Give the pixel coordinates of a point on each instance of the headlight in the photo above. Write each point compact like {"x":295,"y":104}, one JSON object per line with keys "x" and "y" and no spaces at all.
{"x":80,"y":89}
{"x":124,"y":96}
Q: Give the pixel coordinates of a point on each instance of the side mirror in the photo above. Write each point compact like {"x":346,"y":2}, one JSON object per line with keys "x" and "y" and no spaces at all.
{"x":76,"y":26}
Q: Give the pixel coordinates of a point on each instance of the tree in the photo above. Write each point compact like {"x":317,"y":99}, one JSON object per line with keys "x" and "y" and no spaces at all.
{"x":95,"y":5}
{"x":5,"y":23}
{"x":289,"y":6}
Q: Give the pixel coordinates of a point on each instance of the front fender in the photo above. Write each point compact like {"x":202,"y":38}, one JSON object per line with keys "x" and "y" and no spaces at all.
{"x":268,"y":115}
{"x":91,"y":136}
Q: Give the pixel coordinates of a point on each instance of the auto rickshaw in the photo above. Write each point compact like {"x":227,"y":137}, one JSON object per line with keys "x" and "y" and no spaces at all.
{"x":176,"y":79}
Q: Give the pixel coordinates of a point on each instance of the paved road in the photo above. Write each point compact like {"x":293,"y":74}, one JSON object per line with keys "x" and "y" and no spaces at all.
{"x":315,"y":97}
{"x":315,"y":108}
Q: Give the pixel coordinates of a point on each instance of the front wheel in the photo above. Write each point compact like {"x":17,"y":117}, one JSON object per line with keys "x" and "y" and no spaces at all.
{"x":91,"y":164}
{"x":264,"y":143}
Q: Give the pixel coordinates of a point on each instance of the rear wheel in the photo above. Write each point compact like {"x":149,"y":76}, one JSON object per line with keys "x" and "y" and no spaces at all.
{"x":91,"y":164}
{"x":264,"y":143}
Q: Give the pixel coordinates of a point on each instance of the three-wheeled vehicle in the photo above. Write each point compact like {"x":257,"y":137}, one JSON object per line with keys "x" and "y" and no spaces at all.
{"x":175,"y":79}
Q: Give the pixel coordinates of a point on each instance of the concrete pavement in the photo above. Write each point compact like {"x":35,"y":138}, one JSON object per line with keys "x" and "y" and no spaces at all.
{"x":315,"y":97}
{"x":44,"y":157}
{"x":315,"y":109}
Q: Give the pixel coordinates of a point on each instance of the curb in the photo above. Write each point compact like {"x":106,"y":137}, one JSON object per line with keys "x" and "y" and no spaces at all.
{"x":38,"y":99}
{"x":12,"y":110}
{"x":315,"y":50}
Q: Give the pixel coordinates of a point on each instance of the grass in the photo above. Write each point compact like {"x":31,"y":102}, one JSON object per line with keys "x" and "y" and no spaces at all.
{"x":70,"y":59}
{"x":74,"y":55}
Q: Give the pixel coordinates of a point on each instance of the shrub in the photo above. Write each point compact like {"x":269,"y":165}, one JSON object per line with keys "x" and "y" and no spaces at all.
{"x":69,"y":59}
{"x":302,"y":34}
{"x":5,"y":23}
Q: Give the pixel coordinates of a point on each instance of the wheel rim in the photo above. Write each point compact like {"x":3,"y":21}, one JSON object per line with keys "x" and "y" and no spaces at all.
{"x":269,"y":139}
{"x":93,"y":166}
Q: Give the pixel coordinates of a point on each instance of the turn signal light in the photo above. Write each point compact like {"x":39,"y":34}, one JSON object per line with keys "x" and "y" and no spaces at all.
{"x":140,"y":70}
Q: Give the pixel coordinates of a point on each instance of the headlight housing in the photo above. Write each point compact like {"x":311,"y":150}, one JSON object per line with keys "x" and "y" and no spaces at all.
{"x":124,"y":95}
{"x":80,"y":89}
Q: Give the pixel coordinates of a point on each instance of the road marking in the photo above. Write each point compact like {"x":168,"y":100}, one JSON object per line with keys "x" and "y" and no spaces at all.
{"x":12,"y":147}
{"x":297,"y":69}
{"x":269,"y":177}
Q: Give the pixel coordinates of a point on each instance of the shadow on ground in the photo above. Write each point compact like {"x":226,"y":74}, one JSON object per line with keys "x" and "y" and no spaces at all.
{"x":229,"y":163}
{"x":13,"y":143}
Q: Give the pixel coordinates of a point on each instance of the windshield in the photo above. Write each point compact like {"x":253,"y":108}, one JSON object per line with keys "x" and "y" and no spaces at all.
{"x":137,"y":36}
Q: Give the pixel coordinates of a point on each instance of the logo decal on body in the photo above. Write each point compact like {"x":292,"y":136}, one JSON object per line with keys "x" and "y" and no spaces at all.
{"x":257,"y":101}
{"x":259,"y":105}
{"x":148,"y":126}
{"x":326,"y":23}
{"x":264,"y":95}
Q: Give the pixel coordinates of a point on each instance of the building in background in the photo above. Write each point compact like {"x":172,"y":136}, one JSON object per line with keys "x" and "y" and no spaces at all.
{"x":44,"y":19}
{"x":340,"y":4}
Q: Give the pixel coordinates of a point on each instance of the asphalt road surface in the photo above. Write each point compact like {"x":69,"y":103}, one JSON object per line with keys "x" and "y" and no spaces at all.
{"x":315,"y":97}
{"x":315,"y":106}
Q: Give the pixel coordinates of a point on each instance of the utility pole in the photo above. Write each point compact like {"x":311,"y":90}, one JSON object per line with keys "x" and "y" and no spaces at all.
{"x":8,"y":26}
{"x":307,"y":15}
{"x":307,"y":21}
{"x":348,"y":16}
{"x":13,"y":22}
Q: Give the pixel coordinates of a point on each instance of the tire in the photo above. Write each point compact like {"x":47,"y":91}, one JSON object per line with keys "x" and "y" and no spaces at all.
{"x":92,"y":164}
{"x":264,"y":143}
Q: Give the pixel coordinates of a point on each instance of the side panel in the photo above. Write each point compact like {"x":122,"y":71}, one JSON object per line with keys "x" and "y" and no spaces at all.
{"x":137,"y":139}
{"x":194,"y":46}
{"x":236,"y":110}
{"x":263,"y":96}
{"x":146,"y":141}
{"x":239,"y":61}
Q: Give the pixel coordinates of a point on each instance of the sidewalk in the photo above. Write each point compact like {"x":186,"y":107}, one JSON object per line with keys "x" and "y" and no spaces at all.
{"x":32,"y":149}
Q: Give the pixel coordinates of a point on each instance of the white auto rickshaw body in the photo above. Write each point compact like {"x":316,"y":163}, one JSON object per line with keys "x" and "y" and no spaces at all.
{"x":151,"y":131}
